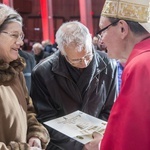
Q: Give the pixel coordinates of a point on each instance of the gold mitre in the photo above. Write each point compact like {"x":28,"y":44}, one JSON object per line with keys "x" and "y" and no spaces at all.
{"x":133,"y":10}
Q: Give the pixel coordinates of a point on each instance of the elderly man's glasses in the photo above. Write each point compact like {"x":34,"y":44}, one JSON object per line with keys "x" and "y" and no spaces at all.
{"x":102,"y":30}
{"x":14,"y":35}
{"x":86,"y":58}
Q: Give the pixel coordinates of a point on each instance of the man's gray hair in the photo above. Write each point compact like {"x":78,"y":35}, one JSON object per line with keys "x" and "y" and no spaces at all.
{"x":74,"y":35}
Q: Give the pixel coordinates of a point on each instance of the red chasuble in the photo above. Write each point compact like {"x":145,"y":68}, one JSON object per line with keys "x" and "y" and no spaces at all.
{"x":129,"y":122}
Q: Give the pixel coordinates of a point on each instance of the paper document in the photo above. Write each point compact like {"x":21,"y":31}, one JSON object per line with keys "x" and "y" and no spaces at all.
{"x":78,"y":125}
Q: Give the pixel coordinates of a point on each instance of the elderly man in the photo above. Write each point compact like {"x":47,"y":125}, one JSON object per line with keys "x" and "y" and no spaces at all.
{"x":39,"y":53}
{"x":129,"y":122}
{"x":76,"y":77}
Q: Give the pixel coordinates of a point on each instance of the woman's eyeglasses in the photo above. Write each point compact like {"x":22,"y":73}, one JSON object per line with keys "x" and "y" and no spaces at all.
{"x":14,"y":35}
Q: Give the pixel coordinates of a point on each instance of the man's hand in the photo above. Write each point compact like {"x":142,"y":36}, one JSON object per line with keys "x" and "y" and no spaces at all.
{"x":95,"y":143}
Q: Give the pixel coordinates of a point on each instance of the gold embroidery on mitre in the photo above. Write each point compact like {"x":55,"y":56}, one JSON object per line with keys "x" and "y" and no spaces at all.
{"x":127,"y":11}
{"x":110,"y":9}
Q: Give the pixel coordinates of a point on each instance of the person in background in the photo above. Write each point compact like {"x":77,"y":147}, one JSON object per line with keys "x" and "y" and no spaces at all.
{"x":95,"y":43}
{"x":121,"y":64}
{"x":30,"y":63}
{"x":19,"y":128}
{"x":48,"y":47}
{"x":77,"y":77}
{"x":45,"y":43}
{"x":39,"y":53}
{"x":129,"y":121}
{"x":101,"y":45}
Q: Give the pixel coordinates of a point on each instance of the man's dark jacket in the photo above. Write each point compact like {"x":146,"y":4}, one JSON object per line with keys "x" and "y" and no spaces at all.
{"x":56,"y":91}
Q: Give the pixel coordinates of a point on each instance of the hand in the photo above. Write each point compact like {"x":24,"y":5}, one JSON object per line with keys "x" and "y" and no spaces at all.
{"x":35,"y":143}
{"x":35,"y":148}
{"x":95,"y":143}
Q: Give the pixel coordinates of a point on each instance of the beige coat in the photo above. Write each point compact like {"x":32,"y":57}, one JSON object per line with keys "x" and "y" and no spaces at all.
{"x":17,"y":118}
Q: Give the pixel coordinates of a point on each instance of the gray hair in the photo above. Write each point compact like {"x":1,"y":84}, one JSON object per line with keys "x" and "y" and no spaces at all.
{"x":38,"y":46}
{"x":7,"y":15}
{"x":75,"y":35}
{"x":135,"y":27}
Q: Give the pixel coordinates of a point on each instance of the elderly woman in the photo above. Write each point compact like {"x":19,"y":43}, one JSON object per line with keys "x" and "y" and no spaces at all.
{"x":19,"y":129}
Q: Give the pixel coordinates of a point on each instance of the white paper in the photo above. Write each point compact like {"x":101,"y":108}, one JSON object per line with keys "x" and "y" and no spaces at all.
{"x":78,"y":125}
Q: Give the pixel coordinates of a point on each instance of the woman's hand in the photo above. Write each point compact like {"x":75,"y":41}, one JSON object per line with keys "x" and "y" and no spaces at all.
{"x":35,"y":148}
{"x":35,"y":143}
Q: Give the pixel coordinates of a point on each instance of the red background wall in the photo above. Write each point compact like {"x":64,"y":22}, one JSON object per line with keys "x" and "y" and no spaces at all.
{"x":63,"y":10}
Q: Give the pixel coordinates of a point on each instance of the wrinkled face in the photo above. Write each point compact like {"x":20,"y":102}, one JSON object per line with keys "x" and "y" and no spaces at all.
{"x":111,"y":37}
{"x":10,"y":41}
{"x":79,"y":59}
